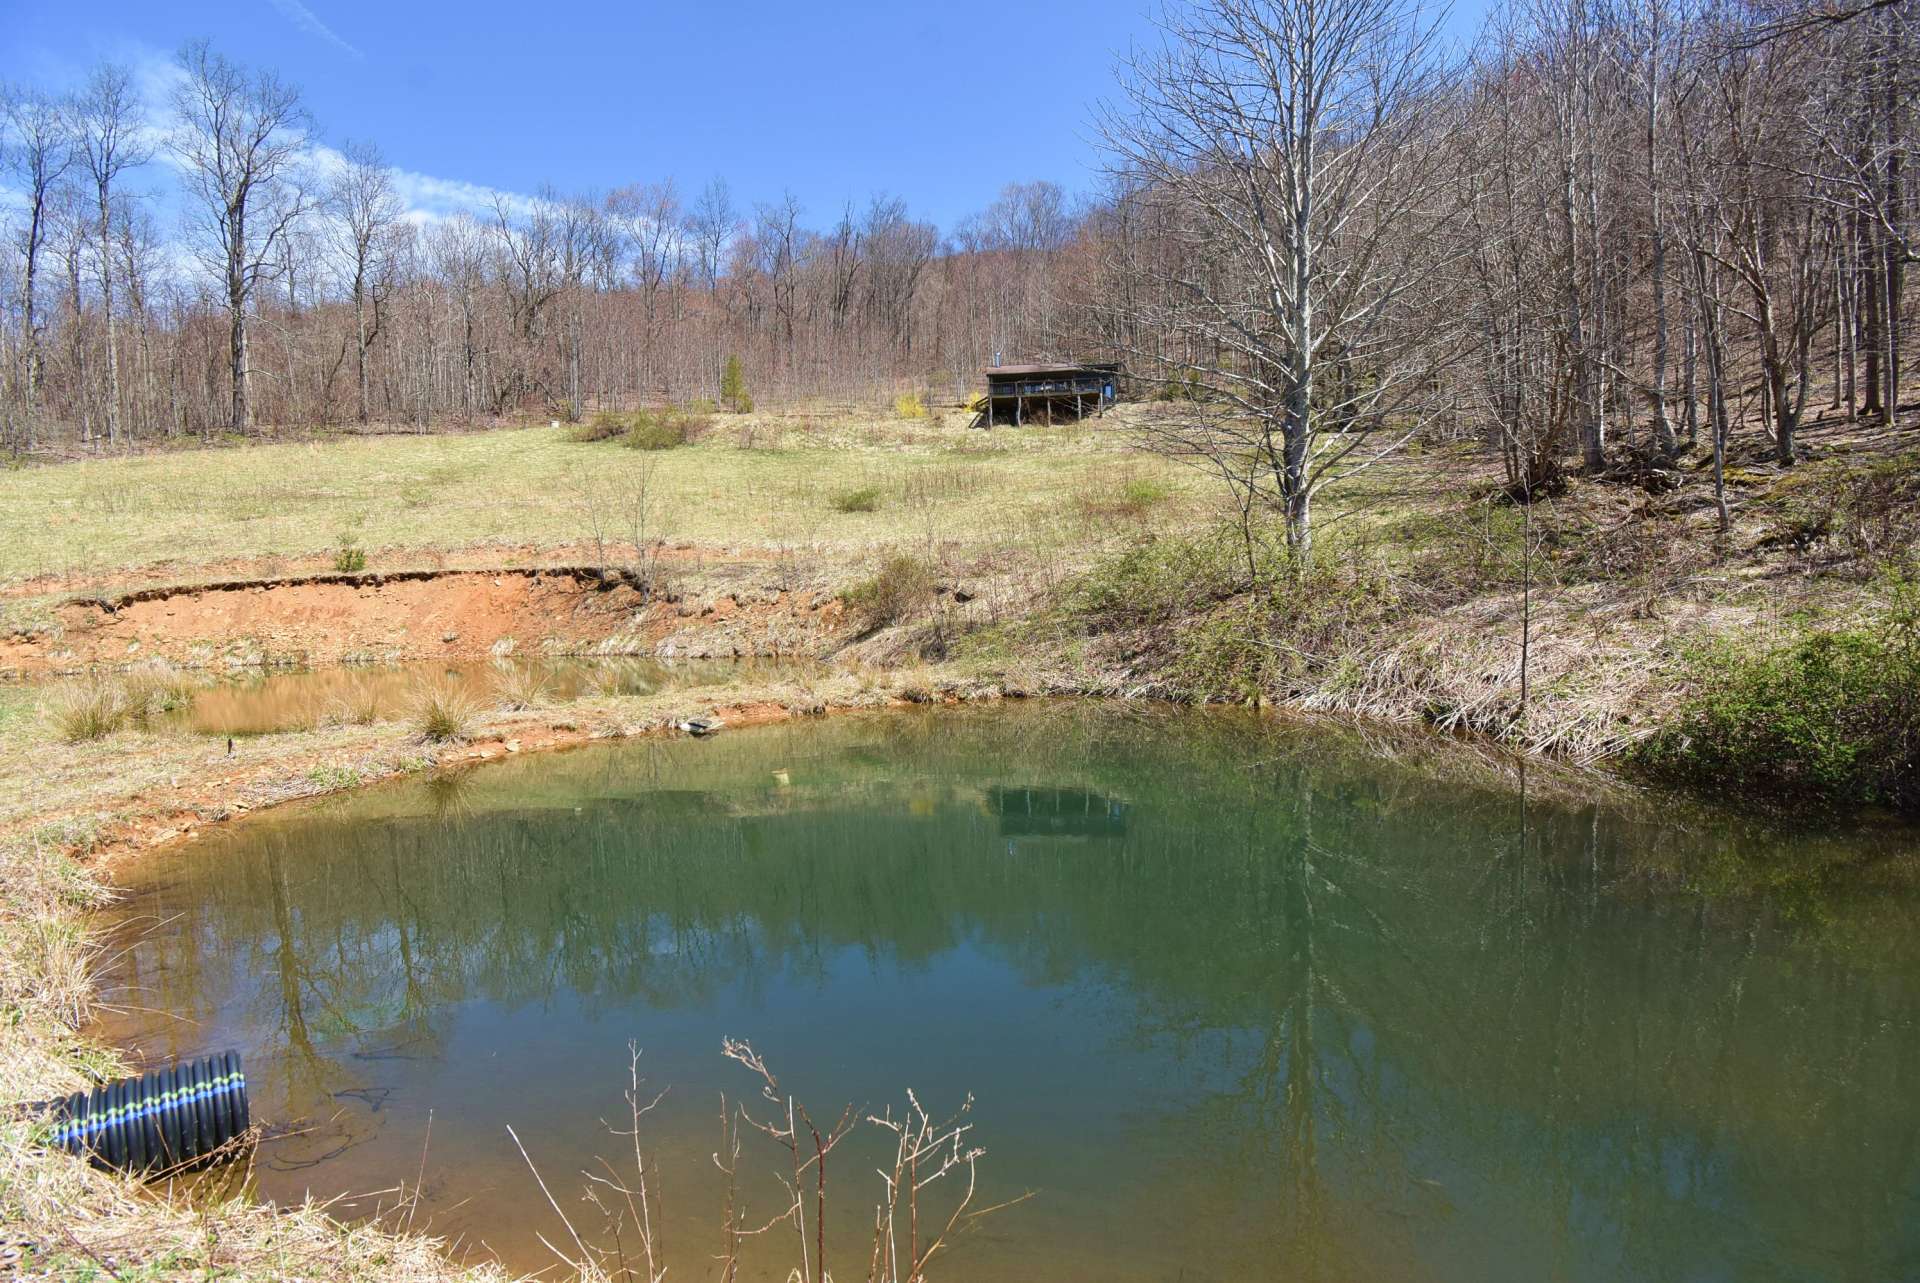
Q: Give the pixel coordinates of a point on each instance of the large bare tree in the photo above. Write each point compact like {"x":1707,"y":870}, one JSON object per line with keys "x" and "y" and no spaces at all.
{"x":1297,"y":149}
{"x":239,"y":136}
{"x":35,"y":152}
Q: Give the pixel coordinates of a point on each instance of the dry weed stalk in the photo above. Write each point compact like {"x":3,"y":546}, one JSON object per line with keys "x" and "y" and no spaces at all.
{"x":925,"y":1152}
{"x":638,"y":1203}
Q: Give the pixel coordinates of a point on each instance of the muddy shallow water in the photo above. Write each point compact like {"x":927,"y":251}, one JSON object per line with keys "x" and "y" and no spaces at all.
{"x":262,"y":702}
{"x":1235,"y":1000}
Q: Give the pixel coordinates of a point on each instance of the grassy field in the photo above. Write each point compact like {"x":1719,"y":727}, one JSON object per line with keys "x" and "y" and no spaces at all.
{"x":767,"y":483}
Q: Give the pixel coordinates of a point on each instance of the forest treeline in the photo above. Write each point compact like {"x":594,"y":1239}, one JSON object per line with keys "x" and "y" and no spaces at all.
{"x":295,"y":289}
{"x":1607,"y":229}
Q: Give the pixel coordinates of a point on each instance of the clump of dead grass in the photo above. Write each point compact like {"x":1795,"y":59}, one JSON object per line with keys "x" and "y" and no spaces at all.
{"x":96,"y":707}
{"x":359,"y":707}
{"x":443,"y":713}
{"x":44,"y":950}
{"x":520,"y":686}
{"x":896,"y":591}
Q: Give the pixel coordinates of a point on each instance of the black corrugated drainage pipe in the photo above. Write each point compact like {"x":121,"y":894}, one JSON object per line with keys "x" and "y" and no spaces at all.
{"x":165,"y":1118}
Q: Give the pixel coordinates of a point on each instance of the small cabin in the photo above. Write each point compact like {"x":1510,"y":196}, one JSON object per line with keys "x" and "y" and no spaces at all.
{"x":1021,"y":394}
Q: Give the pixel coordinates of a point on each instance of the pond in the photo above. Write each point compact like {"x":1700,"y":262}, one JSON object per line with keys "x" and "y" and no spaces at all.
{"x":1235,"y":999}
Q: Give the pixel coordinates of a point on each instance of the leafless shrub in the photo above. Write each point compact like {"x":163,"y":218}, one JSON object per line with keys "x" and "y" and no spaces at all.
{"x":901,"y":587}
{"x":620,"y":507}
{"x":605,"y":425}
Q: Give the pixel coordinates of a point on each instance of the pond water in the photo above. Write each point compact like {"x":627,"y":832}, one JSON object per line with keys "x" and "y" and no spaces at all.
{"x":260,"y":702}
{"x":1234,"y":999}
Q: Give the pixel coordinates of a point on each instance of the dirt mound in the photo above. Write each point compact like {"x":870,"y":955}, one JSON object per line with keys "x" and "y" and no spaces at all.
{"x":426,"y":614}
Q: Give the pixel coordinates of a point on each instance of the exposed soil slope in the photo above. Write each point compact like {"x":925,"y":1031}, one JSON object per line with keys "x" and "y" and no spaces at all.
{"x":724,"y":610}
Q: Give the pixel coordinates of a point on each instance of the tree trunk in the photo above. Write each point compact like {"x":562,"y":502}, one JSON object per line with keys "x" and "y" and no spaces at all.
{"x":241,"y":418}
{"x":106,"y":314}
{"x":1662,"y":426}
{"x":1690,"y":364}
{"x":1895,"y":207}
{"x":1871,"y":282}
{"x":360,"y":341}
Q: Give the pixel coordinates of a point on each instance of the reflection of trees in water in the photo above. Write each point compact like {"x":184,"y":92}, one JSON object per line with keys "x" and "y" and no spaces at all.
{"x":1428,"y":996}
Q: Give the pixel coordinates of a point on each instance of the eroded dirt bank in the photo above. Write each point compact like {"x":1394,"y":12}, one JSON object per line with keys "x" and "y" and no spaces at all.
{"x":719,"y":610}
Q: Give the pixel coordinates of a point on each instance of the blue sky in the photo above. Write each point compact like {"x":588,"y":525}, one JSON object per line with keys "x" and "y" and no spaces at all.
{"x":834,"y":101}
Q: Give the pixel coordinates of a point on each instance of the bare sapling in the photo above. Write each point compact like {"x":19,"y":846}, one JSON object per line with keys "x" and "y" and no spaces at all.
{"x":808,"y":1152}
{"x":926,"y":1152}
{"x":632,"y":1206}
{"x":620,"y":508}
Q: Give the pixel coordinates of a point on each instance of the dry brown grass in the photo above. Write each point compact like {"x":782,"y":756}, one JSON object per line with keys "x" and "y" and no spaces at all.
{"x":443,"y":713}
{"x":355,"y":708}
{"x":520,"y":686}
{"x":95,"y":707}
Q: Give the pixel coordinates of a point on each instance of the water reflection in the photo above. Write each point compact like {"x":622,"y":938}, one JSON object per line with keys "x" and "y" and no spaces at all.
{"x":1297,"y":1013}
{"x":1046,"y":812}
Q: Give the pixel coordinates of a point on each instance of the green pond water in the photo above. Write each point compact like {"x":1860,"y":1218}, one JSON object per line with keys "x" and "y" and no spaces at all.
{"x":1235,"y":999}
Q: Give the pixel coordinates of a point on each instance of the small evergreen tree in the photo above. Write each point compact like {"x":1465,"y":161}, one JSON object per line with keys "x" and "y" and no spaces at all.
{"x":733,"y":388}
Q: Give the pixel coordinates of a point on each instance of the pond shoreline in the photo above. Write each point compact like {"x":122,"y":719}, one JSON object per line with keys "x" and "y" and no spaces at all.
{"x":661,"y":830}
{"x":204,"y":787}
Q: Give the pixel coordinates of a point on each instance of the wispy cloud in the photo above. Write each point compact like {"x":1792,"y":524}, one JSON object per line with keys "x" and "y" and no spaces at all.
{"x":309,"y":21}
{"x":428,"y":198}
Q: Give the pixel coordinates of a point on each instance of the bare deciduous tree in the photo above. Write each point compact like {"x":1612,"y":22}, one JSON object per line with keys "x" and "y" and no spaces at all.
{"x":366,"y":209}
{"x":107,"y":130}
{"x":1295,"y":152}
{"x":238,"y":138}
{"x":36,"y":150}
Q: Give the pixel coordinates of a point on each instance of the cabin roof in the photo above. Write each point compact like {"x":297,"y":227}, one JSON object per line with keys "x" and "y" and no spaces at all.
{"x":1060,"y":367}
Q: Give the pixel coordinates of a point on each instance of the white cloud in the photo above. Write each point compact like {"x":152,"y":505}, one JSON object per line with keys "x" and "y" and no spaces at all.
{"x":428,"y":198}
{"x":308,"y":21}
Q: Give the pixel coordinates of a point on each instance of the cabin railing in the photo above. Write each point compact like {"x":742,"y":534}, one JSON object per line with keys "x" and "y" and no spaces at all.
{"x":1092,"y":385}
